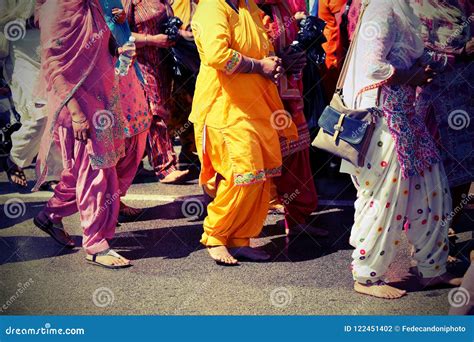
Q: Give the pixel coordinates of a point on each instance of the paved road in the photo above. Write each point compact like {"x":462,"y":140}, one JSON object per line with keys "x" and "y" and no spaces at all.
{"x":172,"y":273}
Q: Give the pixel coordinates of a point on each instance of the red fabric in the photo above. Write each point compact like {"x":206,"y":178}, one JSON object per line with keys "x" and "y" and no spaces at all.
{"x":160,"y":149}
{"x":295,"y":188}
{"x":147,"y":17}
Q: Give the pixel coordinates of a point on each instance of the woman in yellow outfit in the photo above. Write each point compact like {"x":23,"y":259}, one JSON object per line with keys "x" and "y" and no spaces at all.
{"x":234,"y":105}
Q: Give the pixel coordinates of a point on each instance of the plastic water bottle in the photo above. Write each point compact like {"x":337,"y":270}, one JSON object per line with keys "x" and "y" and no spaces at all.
{"x":125,"y":59}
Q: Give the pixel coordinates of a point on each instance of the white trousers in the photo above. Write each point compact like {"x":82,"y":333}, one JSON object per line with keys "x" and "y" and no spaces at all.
{"x":25,"y":67}
{"x":387,"y":205}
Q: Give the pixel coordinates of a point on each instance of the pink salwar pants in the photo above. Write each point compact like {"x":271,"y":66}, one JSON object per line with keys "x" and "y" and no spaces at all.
{"x":94,"y":193}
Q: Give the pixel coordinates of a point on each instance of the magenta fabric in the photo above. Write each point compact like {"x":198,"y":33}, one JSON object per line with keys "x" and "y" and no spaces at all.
{"x":76,"y":63}
{"x":128,"y":165}
{"x":93,"y":192}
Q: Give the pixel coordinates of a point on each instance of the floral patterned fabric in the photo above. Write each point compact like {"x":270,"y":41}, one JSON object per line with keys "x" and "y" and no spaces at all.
{"x":283,"y":28}
{"x":416,"y":149}
{"x":445,"y":29}
{"x":147,"y":17}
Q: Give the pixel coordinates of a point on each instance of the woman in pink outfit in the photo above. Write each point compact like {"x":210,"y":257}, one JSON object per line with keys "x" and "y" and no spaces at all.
{"x":86,"y":118}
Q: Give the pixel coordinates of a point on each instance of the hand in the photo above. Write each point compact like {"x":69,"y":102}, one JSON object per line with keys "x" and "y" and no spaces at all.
{"x":80,"y":124}
{"x":293,"y":62}
{"x":418,"y":75}
{"x":470,"y":47}
{"x":160,"y":41}
{"x":271,"y":67}
{"x":300,"y":15}
{"x":119,"y":15}
{"x":81,"y":128}
{"x":188,"y":35}
{"x":130,"y":50}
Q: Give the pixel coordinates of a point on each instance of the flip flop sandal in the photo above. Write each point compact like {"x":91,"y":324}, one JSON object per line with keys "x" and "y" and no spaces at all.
{"x":127,"y":217}
{"x":59,"y":235}
{"x":13,"y":170}
{"x":108,"y":252}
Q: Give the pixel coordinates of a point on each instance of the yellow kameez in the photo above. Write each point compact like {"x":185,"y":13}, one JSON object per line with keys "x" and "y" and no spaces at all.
{"x":183,"y":10}
{"x":232,"y":114}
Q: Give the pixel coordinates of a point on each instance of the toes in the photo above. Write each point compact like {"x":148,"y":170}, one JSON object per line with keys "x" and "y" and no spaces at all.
{"x":398,"y":293}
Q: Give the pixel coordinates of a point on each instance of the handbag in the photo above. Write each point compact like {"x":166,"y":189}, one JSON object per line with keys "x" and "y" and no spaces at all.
{"x":347,"y":132}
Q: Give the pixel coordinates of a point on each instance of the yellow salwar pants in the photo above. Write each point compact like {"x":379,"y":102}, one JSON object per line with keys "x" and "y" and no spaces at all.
{"x":237,"y":212}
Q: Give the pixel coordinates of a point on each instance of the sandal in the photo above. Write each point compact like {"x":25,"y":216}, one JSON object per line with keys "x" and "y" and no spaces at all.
{"x":92,"y":259}
{"x":48,"y":186}
{"x":129,"y":213}
{"x":14,"y":171}
{"x":56,"y":231}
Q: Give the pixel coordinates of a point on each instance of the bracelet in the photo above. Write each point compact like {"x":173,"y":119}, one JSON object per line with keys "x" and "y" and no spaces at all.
{"x":146,"y":39}
{"x":253,"y":65}
{"x":79,"y":122}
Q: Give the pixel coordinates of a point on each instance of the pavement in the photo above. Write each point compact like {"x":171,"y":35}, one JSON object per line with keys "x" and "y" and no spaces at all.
{"x":173,"y":274}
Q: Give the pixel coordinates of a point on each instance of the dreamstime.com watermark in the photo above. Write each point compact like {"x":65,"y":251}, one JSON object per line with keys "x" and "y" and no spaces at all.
{"x":465,"y":201}
{"x":15,"y":30}
{"x":22,"y":287}
{"x":103,"y":297}
{"x":14,"y":208}
{"x":459,"y":297}
{"x":192,"y":208}
{"x":281,"y":297}
{"x":46,"y":330}
{"x":458,"y":119}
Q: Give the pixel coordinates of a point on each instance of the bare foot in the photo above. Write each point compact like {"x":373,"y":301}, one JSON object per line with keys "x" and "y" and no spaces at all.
{"x":451,"y":232}
{"x":129,"y":212}
{"x":379,"y":290}
{"x":221,"y":255}
{"x":452,"y":259}
{"x":174,"y":177}
{"x":276,"y":208}
{"x":307,"y":229}
{"x":444,"y":279}
{"x":249,"y":253}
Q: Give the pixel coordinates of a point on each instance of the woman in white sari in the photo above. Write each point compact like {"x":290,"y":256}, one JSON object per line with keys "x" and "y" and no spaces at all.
{"x":402,"y":185}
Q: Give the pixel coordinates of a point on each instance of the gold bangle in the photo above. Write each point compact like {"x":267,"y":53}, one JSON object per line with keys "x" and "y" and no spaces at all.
{"x":146,"y":39}
{"x":79,"y":122}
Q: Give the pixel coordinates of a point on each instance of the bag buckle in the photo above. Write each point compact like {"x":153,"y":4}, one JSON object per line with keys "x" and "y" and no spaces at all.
{"x":338,"y":128}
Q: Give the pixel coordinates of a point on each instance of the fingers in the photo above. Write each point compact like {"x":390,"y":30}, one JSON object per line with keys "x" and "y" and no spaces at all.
{"x":81,"y":134}
{"x":276,"y":59}
{"x":84,"y":135}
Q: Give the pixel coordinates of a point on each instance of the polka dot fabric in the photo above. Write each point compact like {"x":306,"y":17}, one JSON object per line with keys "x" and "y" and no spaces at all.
{"x":389,"y":204}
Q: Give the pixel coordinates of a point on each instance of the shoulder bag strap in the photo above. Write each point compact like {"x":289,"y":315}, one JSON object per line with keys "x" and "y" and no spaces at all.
{"x":350,"y":51}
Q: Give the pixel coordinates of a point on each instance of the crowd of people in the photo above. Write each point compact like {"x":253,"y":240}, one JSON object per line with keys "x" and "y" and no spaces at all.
{"x":245,"y":118}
